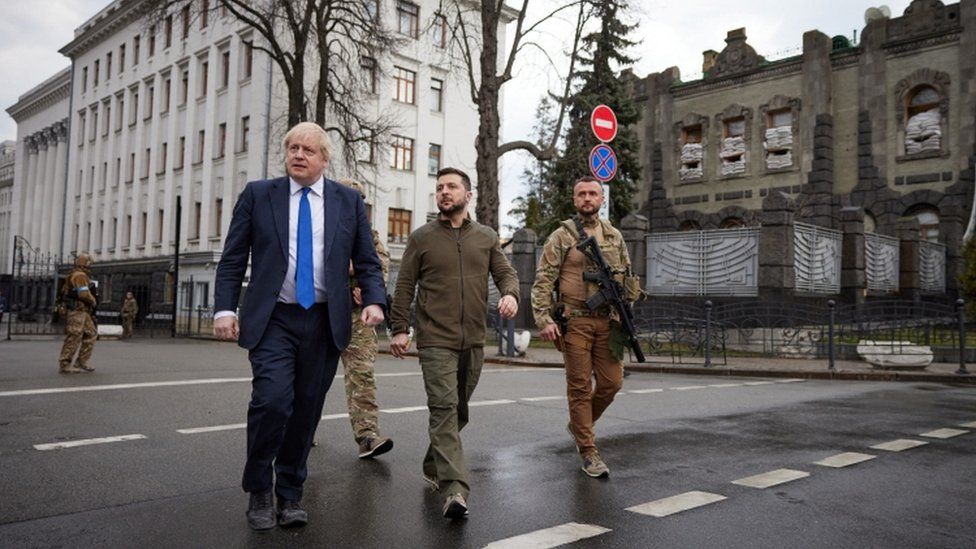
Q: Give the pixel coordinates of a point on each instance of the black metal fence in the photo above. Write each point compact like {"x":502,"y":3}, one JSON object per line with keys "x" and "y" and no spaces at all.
{"x":34,"y":283}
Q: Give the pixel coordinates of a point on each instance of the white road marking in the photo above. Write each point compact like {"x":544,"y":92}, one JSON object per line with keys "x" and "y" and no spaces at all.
{"x":87,"y":388}
{"x":334,"y":416}
{"x":86,"y":442}
{"x":944,"y":433}
{"x":403,"y":410}
{"x":212,"y":429}
{"x":550,"y":537}
{"x":844,"y":460}
{"x":541,"y":399}
{"x":899,"y":445}
{"x":676,"y":504}
{"x":689,"y":387}
{"x":645,"y":391}
{"x":772,"y":478}
{"x":724,"y":385}
{"x":754,"y":383}
{"x":971,"y":424}
{"x":474,"y":403}
{"x":791,"y":380}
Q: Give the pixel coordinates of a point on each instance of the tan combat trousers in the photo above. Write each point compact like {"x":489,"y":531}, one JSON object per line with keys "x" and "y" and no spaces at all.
{"x":586,"y":352}
{"x":80,"y":336}
{"x":357,"y":363}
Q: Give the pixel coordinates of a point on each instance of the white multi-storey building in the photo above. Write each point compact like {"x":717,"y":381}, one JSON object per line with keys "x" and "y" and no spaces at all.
{"x":8,"y":155}
{"x":183,"y":110}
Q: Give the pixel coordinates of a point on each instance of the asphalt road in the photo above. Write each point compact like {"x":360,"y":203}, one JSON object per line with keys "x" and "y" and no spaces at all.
{"x":173,"y":479}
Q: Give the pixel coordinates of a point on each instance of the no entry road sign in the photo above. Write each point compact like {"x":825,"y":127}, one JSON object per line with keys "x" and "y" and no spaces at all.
{"x":603,"y":122}
{"x":603,"y":163}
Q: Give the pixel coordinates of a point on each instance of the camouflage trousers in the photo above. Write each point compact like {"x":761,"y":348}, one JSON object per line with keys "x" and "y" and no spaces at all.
{"x":357,"y":363}
{"x":127,"y":326}
{"x":80,"y":333}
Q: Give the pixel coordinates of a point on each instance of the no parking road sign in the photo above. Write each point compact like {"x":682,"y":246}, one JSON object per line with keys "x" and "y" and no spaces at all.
{"x":603,"y":122}
{"x":603,"y":163}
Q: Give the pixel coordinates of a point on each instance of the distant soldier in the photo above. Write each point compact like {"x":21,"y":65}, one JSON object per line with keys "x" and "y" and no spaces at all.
{"x":358,"y":360}
{"x":77,"y":293}
{"x":130,"y":308}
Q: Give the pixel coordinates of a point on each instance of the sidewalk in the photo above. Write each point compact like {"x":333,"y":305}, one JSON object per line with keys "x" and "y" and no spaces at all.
{"x":753,"y":367}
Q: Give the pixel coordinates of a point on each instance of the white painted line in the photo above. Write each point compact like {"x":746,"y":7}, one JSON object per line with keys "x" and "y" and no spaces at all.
{"x":540,"y":399}
{"x":754,"y":383}
{"x":971,"y":424}
{"x":334,"y":416}
{"x":676,"y":504}
{"x":212,"y":429}
{"x":86,"y":442}
{"x":645,"y":391}
{"x":772,"y":478}
{"x":474,"y":403}
{"x":689,"y":387}
{"x":403,"y":410}
{"x":88,"y":388}
{"x":550,"y":537}
{"x":844,"y":460}
{"x":899,"y":445}
{"x":791,"y":380}
{"x":944,"y":433}
{"x":724,"y":385}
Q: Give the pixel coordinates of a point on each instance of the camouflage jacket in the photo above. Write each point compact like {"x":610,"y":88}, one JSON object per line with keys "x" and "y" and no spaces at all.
{"x":557,"y":246}
{"x":129,"y":308}
{"x":77,"y":290}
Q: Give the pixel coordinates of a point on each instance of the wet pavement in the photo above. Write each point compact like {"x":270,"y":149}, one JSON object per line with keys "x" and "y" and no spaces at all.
{"x":665,"y":436}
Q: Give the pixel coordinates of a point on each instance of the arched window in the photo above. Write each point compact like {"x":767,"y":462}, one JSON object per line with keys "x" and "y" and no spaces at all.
{"x":870,"y":223}
{"x":689,"y":225}
{"x":928,"y":221}
{"x":732,"y":223}
{"x":923,"y":126}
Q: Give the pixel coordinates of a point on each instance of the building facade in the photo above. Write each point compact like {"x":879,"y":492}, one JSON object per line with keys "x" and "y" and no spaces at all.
{"x":882,"y":132}
{"x":183,"y":110}
{"x":8,"y":156}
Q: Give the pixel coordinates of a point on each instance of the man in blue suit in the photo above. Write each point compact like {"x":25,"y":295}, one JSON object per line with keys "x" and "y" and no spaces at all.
{"x":300,"y":232}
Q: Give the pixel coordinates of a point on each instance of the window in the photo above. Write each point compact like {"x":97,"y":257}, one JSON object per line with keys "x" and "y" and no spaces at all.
{"x":108,"y":65}
{"x":167,"y":85}
{"x":132,"y":168}
{"x":128,"y":231}
{"x":692,"y":153}
{"x":779,"y":139}
{"x":928,"y":221}
{"x":118,"y":171}
{"x":102,"y":180}
{"x":247,"y":55}
{"x":436,"y":95}
{"x":403,"y":82}
{"x":732,"y":223}
{"x":221,"y":139}
{"x":134,"y":107}
{"x":95,"y":73}
{"x":733,"y":153}
{"x":368,"y":64}
{"x":107,"y":119}
{"x":115,"y":231}
{"x":81,"y":128}
{"x":204,"y":13}
{"x":162,"y":158}
{"x":923,"y":129}
{"x":145,"y":163}
{"x":180,"y":153}
{"x":185,"y":16}
{"x":689,"y":225}
{"x":402,"y":153}
{"x":184,"y":86}
{"x":135,"y":50}
{"x":204,"y":75}
{"x":142,"y":228}
{"x":398,"y":226}
{"x":168,"y":32}
{"x":245,"y":132}
{"x":152,"y":40}
{"x":84,"y":79}
{"x":121,"y":58}
{"x":150,"y":99}
{"x":224,"y":69}
{"x":218,"y":216}
{"x":201,"y":136}
{"x":433,"y":159}
{"x":94,"y":125}
{"x":439,"y":30}
{"x":159,"y":227}
{"x":408,"y":18}
{"x":197,"y":207}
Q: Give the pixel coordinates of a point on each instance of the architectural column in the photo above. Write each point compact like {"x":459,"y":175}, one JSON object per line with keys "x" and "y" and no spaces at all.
{"x":27,"y":176}
{"x":36,"y":190}
{"x":49,"y":185}
{"x":777,"y":277}
{"x":853,"y":275}
{"x":56,"y":203}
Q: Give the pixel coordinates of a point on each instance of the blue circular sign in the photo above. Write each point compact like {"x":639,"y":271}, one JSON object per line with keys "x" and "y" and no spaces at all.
{"x":603,"y":163}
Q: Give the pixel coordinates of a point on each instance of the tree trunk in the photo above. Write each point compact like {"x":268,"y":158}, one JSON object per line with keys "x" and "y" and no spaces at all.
{"x":489,"y":121}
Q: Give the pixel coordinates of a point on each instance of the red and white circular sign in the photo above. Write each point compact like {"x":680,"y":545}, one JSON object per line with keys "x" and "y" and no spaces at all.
{"x":603,"y":122}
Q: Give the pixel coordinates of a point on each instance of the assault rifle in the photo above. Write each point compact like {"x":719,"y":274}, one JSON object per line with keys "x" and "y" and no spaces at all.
{"x":610,"y":292}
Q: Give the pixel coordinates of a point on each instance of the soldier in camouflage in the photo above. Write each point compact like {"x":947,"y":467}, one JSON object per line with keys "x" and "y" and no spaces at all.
{"x":358,"y":360}
{"x":130,"y":308}
{"x":80,"y":332}
{"x":592,"y":342}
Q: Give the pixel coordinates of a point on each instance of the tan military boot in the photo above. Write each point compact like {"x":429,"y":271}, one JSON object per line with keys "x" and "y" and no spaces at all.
{"x":69,"y":369}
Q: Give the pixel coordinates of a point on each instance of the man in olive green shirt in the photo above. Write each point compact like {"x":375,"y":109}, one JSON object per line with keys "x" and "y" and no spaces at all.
{"x":447,"y":262}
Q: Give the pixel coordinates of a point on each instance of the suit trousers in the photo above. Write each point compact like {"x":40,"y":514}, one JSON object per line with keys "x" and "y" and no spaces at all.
{"x":293,"y":366}
{"x":450,"y":378}
{"x":586,"y":352}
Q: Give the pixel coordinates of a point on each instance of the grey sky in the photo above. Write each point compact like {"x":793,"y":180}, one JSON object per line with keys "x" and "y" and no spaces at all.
{"x":672,"y":33}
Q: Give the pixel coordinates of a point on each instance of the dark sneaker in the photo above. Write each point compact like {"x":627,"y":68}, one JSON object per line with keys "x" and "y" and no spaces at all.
{"x":291,"y":514}
{"x":86,"y":368}
{"x":70,"y":370}
{"x":373,"y":446}
{"x":260,"y":511}
{"x":455,"y":507}
{"x":594,"y":466}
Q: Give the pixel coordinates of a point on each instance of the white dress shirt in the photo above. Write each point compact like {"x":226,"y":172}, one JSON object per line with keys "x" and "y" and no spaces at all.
{"x":316,"y":200}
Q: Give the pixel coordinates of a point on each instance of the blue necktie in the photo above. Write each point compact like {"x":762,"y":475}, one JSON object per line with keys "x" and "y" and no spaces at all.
{"x":304,"y":275}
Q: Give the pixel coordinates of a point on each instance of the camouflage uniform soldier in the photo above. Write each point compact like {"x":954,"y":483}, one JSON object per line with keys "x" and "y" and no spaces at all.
{"x":358,"y":360}
{"x":591,"y":341}
{"x":130,"y":308}
{"x":80,"y":329}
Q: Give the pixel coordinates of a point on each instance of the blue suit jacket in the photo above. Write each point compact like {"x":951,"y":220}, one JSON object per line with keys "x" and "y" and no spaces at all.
{"x":259,"y":229}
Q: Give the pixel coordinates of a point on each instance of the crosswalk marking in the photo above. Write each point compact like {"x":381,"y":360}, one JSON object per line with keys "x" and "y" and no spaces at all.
{"x":845,"y":459}
{"x":474,"y":403}
{"x":646,"y":391}
{"x":86,"y":442}
{"x":403,"y":410}
{"x":676,"y":504}
{"x":899,"y":445}
{"x":541,"y":399}
{"x":212,"y":429}
{"x":944,"y":433}
{"x":772,"y":478}
{"x":971,"y":424}
{"x":550,"y":537}
{"x":689,"y":388}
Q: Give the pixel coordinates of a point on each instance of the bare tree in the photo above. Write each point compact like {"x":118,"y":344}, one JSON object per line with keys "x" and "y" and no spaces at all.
{"x":475,"y":26}
{"x":326,"y":51}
